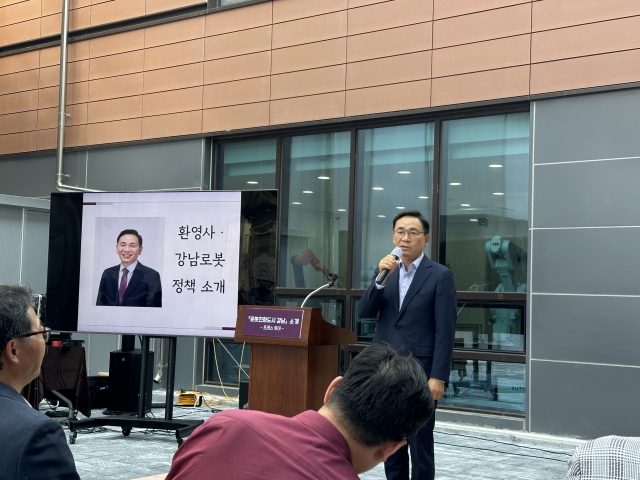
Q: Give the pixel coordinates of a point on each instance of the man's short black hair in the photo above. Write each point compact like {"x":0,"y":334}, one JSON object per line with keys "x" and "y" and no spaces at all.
{"x":130,"y":231}
{"x":15,"y":301}
{"x":383,"y":397}
{"x":412,"y":213}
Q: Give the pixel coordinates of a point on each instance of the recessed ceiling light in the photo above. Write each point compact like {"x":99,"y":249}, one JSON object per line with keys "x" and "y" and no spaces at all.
{"x":423,"y":197}
{"x":400,"y":208}
{"x":404,"y":172}
{"x":296,"y":203}
{"x":377,"y":188}
{"x":252,"y":182}
{"x":382,"y":216}
{"x":307,"y":191}
{"x":495,"y":165}
{"x":465,"y":204}
{"x":341,"y":210}
{"x":455,"y":183}
{"x":473,"y":219}
{"x":324,"y":178}
{"x":498,"y":193}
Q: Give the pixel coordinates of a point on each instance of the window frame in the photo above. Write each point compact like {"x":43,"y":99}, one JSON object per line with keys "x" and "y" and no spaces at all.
{"x":350,"y":294}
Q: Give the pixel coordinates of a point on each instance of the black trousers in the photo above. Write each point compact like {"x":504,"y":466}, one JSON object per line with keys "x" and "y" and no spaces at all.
{"x":422,"y":464}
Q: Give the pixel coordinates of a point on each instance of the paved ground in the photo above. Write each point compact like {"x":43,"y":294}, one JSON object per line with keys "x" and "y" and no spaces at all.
{"x":462,"y":452}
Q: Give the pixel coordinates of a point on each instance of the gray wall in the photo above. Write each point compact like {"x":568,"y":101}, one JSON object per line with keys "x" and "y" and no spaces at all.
{"x":584,"y":299}
{"x":182,"y":165}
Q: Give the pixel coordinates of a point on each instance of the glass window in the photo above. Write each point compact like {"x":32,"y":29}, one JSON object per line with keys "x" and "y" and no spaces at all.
{"x":332,"y":308}
{"x":486,"y":385}
{"x":248,"y":165}
{"x":499,"y":327}
{"x":365,"y":328}
{"x":223,"y":362}
{"x":394,"y":173}
{"x":315,"y":200}
{"x":484,"y":203}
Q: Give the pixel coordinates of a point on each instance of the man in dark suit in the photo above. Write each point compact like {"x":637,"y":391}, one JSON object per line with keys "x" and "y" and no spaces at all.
{"x":130,"y":284}
{"x":417,"y":307}
{"x":33,"y":446}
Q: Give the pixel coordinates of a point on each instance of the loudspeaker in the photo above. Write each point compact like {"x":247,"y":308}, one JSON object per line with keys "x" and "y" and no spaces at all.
{"x":124,"y":381}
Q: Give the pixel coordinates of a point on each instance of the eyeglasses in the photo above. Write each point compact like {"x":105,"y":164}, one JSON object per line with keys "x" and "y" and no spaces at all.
{"x":45,"y":334}
{"x":412,"y":233}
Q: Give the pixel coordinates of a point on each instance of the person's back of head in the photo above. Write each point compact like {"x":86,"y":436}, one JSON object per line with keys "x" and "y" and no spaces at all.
{"x":15,"y":301}
{"x":383,"y":397}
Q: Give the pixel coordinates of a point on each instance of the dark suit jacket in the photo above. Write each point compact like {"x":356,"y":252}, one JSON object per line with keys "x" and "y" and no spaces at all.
{"x":144,"y":289}
{"x":426,"y":323}
{"x":33,"y":446}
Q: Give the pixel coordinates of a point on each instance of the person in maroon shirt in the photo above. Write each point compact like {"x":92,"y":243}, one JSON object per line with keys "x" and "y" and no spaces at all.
{"x":368,"y":414}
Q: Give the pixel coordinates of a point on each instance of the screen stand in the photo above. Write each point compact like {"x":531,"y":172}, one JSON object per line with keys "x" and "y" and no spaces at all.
{"x":183,"y":428}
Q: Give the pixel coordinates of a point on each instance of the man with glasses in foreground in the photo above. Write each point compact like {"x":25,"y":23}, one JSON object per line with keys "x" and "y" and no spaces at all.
{"x":33,"y":446}
{"x":416,"y":304}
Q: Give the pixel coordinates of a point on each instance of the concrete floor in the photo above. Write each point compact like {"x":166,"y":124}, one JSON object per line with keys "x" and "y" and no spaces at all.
{"x":462,"y":452}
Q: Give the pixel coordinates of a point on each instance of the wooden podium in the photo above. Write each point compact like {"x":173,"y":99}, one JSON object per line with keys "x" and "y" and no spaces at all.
{"x":290,"y":374}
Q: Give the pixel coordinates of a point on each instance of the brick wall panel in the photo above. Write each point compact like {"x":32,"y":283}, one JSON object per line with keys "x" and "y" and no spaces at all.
{"x":235,"y":19}
{"x":115,"y":65}
{"x":18,"y":122}
{"x":593,"y":71}
{"x":308,"y":82}
{"x":19,"y":82}
{"x":388,"y":98}
{"x":20,"y":62}
{"x":251,"y":115}
{"x":309,"y":30}
{"x":286,"y":10}
{"x":385,"y":43}
{"x":382,"y":71}
{"x":237,"y":68}
{"x":447,"y":8}
{"x":173,"y":78}
{"x":312,"y":55}
{"x":480,"y":86}
{"x":562,"y":13}
{"x":174,"y":32}
{"x":112,"y":132}
{"x":252,"y":90}
{"x":238,"y":43}
{"x":305,"y":109}
{"x":594,"y":38}
{"x":173,"y":101}
{"x":477,"y":27}
{"x":116,"y":109}
{"x":489,"y":55}
{"x":115,"y":87}
{"x":173,"y":55}
{"x":396,"y":13}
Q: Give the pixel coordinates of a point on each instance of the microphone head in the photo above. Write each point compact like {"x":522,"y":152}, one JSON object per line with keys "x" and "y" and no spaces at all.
{"x":397,"y":252}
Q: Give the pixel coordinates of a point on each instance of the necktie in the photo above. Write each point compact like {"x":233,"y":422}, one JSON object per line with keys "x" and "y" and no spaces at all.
{"x":123,"y":285}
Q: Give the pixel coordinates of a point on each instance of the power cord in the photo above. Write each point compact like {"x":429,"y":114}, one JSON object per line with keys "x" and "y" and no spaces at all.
{"x":503,"y":443}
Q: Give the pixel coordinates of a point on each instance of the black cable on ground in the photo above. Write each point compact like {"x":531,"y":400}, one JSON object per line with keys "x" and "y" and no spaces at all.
{"x":504,"y":443}
{"x":500,"y":451}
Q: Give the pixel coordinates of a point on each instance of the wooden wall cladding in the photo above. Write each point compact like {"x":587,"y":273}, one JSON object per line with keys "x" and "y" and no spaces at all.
{"x":288,"y":61}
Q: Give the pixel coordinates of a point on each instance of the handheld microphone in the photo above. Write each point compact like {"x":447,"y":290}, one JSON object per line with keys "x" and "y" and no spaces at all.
{"x":395,"y":253}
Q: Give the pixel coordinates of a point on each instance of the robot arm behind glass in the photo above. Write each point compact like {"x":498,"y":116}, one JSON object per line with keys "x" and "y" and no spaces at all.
{"x":510,"y":261}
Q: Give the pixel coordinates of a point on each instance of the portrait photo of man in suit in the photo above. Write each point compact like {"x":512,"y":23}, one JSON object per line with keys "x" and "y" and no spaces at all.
{"x":130,"y":283}
{"x":416,"y":304}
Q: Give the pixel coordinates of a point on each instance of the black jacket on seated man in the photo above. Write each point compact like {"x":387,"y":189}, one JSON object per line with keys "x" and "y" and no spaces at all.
{"x":144,"y":289}
{"x":32,"y":446}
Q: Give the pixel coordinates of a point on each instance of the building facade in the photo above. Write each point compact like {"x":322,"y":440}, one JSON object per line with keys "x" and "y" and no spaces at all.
{"x":511,"y":124}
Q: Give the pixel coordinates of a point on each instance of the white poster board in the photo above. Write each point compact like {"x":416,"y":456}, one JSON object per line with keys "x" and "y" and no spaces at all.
{"x":191,"y":240}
